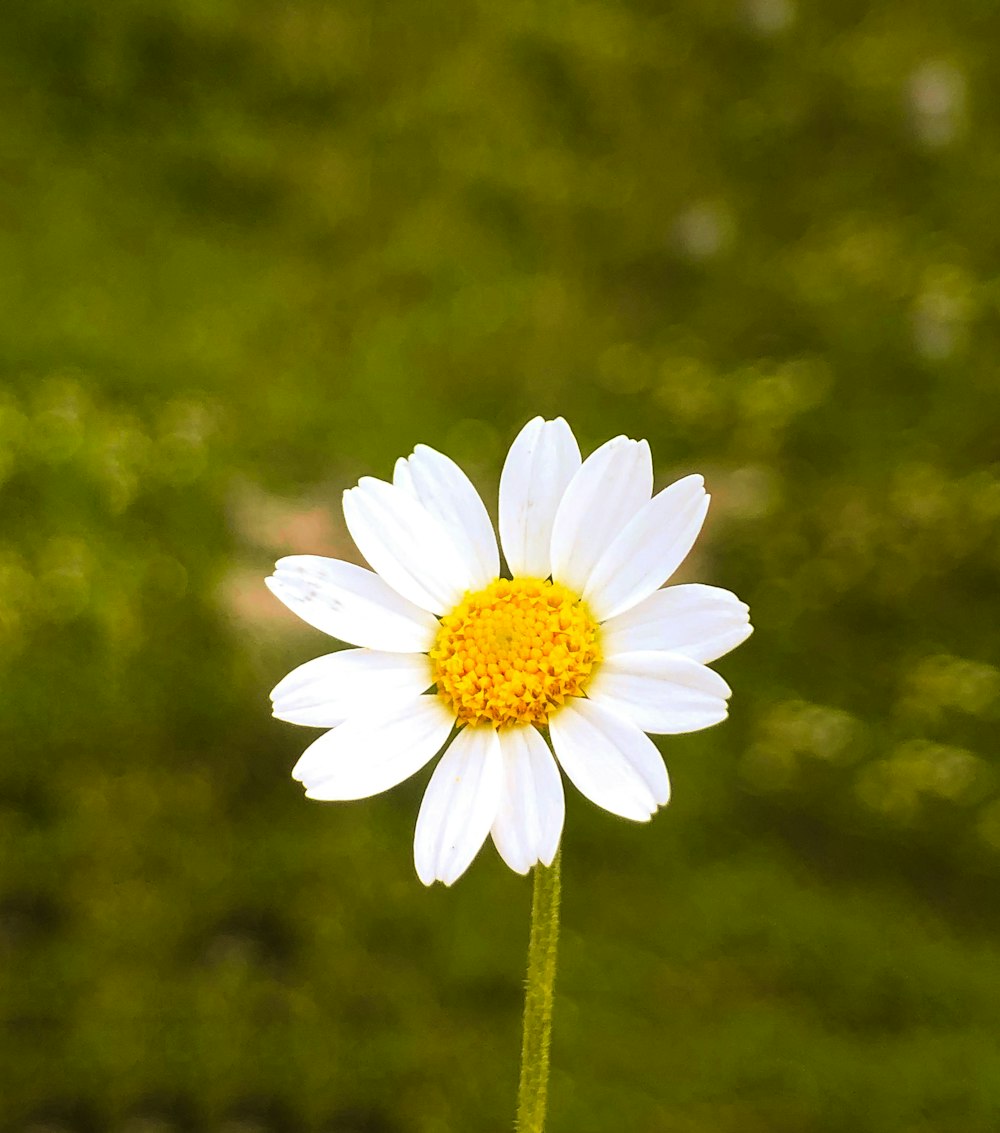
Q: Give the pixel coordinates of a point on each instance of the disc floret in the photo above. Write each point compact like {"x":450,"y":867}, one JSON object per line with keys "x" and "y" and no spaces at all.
{"x":512,"y":652}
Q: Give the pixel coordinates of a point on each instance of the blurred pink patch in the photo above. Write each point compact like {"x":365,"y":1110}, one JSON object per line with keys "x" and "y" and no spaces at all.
{"x":276,"y":525}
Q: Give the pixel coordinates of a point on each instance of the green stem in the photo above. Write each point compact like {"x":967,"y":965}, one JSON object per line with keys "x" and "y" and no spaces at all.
{"x":533,"y":1090}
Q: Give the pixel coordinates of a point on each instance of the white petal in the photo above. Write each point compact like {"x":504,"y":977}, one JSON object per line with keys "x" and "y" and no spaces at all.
{"x":374,"y":750}
{"x":609,"y":759}
{"x":351,"y":604}
{"x":449,"y":495}
{"x":327,"y":690}
{"x":701,"y":622}
{"x":411,"y":549}
{"x":650,"y":548}
{"x":610,"y":486}
{"x":403,"y":478}
{"x":663,"y":693}
{"x":529,"y":822}
{"x":540,"y":464}
{"x":459,"y":806}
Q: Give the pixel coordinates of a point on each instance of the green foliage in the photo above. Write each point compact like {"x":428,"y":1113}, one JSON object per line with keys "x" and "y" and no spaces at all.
{"x":254,"y":251}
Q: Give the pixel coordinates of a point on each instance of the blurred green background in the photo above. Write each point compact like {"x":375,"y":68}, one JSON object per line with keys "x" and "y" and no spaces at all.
{"x":252,"y":251}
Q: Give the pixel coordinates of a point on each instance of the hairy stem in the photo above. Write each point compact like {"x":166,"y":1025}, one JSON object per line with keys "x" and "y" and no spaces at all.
{"x":533,"y":1090}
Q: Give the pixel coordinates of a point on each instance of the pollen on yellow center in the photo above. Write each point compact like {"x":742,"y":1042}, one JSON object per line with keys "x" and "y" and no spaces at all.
{"x":512,"y":652}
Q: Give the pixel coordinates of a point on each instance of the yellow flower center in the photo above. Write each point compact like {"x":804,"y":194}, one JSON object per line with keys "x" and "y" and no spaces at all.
{"x":513,"y":652}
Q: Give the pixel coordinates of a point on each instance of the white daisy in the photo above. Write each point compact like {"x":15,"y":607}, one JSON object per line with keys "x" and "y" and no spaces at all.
{"x":574,"y":651}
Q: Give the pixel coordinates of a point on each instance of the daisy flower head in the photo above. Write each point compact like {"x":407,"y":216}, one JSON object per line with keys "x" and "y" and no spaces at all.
{"x":566,"y":659}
